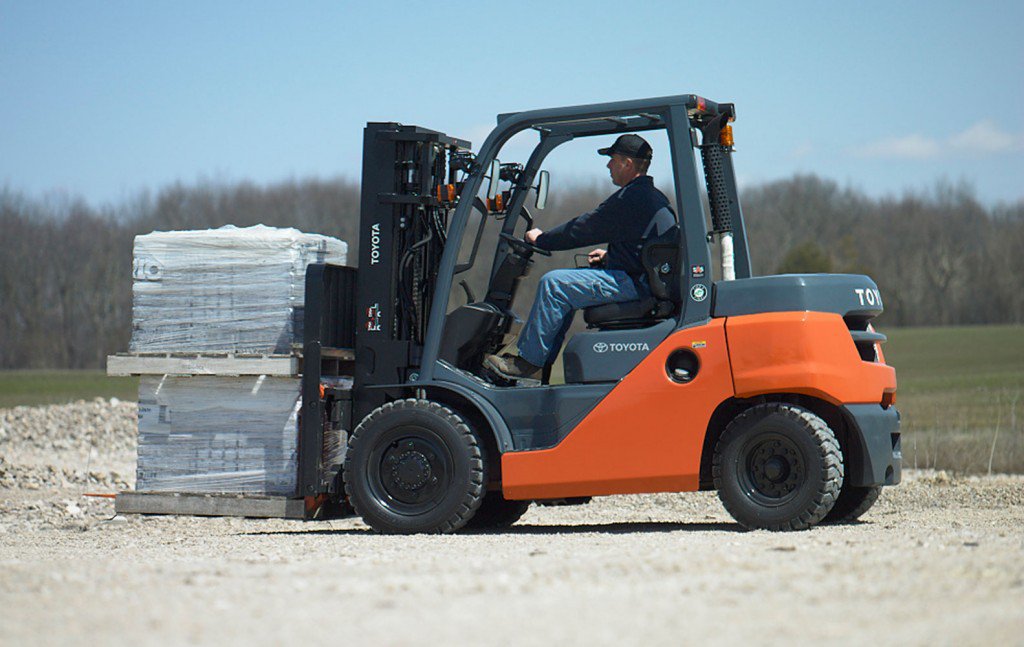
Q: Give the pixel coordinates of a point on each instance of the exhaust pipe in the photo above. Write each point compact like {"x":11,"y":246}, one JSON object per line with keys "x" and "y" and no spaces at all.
{"x":712,"y":152}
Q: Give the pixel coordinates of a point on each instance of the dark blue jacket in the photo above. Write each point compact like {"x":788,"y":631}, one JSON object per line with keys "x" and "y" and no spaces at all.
{"x":620,"y":221}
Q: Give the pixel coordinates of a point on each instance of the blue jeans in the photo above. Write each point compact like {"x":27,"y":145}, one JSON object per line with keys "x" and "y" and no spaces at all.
{"x":559,"y":295}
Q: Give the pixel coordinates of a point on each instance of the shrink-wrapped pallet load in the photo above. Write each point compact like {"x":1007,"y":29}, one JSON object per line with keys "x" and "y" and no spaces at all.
{"x":231,"y":289}
{"x":218,"y":434}
{"x":237,"y":291}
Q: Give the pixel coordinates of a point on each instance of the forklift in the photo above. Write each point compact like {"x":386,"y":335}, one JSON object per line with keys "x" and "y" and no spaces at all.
{"x":772,"y":390}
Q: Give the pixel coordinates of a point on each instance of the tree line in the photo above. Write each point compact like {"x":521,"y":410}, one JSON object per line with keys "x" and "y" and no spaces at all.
{"x":940,"y":257}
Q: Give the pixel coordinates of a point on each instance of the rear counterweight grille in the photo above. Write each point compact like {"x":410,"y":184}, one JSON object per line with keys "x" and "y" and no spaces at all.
{"x":866,"y":340}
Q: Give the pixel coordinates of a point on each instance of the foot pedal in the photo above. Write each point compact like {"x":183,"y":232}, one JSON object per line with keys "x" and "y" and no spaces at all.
{"x":495,"y":378}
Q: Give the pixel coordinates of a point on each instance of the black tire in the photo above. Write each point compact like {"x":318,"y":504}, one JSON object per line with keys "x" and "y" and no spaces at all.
{"x":496,"y":511}
{"x":778,"y":467}
{"x":414,"y":466}
{"x":853,"y":501}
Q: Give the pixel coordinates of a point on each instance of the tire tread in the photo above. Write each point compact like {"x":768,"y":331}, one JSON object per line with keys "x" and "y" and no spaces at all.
{"x":474,"y":492}
{"x":828,"y":446}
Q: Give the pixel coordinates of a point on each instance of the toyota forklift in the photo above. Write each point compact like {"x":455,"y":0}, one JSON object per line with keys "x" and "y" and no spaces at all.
{"x":772,"y":390}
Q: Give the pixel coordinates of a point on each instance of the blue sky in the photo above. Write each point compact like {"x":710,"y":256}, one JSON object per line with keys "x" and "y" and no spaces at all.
{"x":104,"y":99}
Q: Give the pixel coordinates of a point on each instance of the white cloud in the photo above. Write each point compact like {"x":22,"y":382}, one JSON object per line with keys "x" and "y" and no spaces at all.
{"x":909,"y":147}
{"x":986,"y":137}
{"x":981,"y":138}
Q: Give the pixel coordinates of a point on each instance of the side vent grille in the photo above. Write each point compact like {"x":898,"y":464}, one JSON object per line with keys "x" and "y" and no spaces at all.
{"x":865,"y":338}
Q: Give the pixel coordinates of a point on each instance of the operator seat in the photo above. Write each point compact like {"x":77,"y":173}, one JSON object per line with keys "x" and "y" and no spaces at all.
{"x":661,"y":262}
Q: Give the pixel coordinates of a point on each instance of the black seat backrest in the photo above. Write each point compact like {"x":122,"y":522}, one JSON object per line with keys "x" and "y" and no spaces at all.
{"x":661,"y":259}
{"x":660,"y":256}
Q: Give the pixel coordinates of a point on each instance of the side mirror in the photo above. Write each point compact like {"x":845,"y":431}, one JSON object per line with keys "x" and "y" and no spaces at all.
{"x":492,"y":188}
{"x":542,"y":189}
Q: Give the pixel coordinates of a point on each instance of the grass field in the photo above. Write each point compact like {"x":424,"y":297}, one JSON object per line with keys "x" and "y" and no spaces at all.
{"x":961,"y":393}
{"x":33,"y":388}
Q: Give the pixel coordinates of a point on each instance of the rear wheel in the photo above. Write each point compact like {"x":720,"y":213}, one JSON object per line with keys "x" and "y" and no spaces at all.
{"x":778,"y":467}
{"x":853,"y":501}
{"x":496,"y":511}
{"x":414,"y":466}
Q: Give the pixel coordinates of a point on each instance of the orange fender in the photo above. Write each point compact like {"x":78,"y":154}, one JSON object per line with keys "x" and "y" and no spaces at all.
{"x":810,"y":353}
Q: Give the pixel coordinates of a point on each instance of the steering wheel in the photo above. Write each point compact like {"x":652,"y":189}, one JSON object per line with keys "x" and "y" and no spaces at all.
{"x":521,"y":245}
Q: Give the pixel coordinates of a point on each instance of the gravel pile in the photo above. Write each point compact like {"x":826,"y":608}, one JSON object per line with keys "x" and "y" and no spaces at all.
{"x":82,"y":445}
{"x":35,"y":477}
{"x":109,"y":426}
{"x":66,"y":512}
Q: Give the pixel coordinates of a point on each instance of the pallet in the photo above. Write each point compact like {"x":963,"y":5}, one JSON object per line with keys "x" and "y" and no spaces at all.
{"x":209,"y":363}
{"x":124,"y":364}
{"x":210,"y":505}
{"x":343,"y":354}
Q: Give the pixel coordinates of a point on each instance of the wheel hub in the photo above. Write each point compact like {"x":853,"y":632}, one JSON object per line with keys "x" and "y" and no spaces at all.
{"x":775,"y":468}
{"x":411,"y":471}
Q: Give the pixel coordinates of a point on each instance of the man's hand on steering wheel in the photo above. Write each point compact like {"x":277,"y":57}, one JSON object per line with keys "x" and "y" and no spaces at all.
{"x":525,"y":245}
{"x":531,"y":236}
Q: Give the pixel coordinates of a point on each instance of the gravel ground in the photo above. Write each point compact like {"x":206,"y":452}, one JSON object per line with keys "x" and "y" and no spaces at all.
{"x":939,"y":560}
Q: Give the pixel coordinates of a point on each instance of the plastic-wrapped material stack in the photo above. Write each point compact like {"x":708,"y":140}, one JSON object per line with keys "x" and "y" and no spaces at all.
{"x":231,"y":289}
{"x":226,"y":290}
{"x":218,"y":434}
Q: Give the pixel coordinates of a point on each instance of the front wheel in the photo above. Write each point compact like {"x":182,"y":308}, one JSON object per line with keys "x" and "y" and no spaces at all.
{"x":778,"y":467}
{"x":414,"y":466}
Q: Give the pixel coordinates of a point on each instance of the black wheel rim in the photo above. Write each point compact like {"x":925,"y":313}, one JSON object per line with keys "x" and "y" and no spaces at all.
{"x":410,"y":470}
{"x":771,"y":469}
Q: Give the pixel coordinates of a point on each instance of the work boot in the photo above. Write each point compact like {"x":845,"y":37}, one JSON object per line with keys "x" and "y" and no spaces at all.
{"x":512,"y":367}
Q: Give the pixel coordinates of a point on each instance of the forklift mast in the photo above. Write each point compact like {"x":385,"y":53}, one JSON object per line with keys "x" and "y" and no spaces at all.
{"x":402,"y":234}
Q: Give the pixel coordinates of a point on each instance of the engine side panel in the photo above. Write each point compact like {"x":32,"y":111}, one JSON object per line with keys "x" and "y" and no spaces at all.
{"x":810,"y":353}
{"x":646,"y":435}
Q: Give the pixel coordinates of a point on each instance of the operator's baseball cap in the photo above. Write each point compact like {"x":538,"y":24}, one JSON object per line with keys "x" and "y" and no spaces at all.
{"x":630,"y":146}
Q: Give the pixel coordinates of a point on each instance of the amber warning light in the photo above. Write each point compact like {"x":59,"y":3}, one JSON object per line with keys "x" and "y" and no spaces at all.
{"x":446,"y":193}
{"x":497,"y":205}
{"x":726,"y":137}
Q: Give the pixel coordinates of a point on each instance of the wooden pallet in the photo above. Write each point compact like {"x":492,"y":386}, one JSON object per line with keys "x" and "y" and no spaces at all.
{"x":201,"y":364}
{"x":210,"y":505}
{"x":188,"y":363}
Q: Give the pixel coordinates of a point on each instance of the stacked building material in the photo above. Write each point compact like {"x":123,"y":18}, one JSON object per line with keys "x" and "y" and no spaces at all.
{"x":217,"y":434}
{"x":224,"y":290}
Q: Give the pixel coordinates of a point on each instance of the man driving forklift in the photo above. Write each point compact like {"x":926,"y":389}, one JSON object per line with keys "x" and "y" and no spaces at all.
{"x":615,"y":275}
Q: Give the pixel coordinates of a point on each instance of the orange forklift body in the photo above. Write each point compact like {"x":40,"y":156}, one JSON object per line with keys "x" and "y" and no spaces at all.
{"x":610,"y":450}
